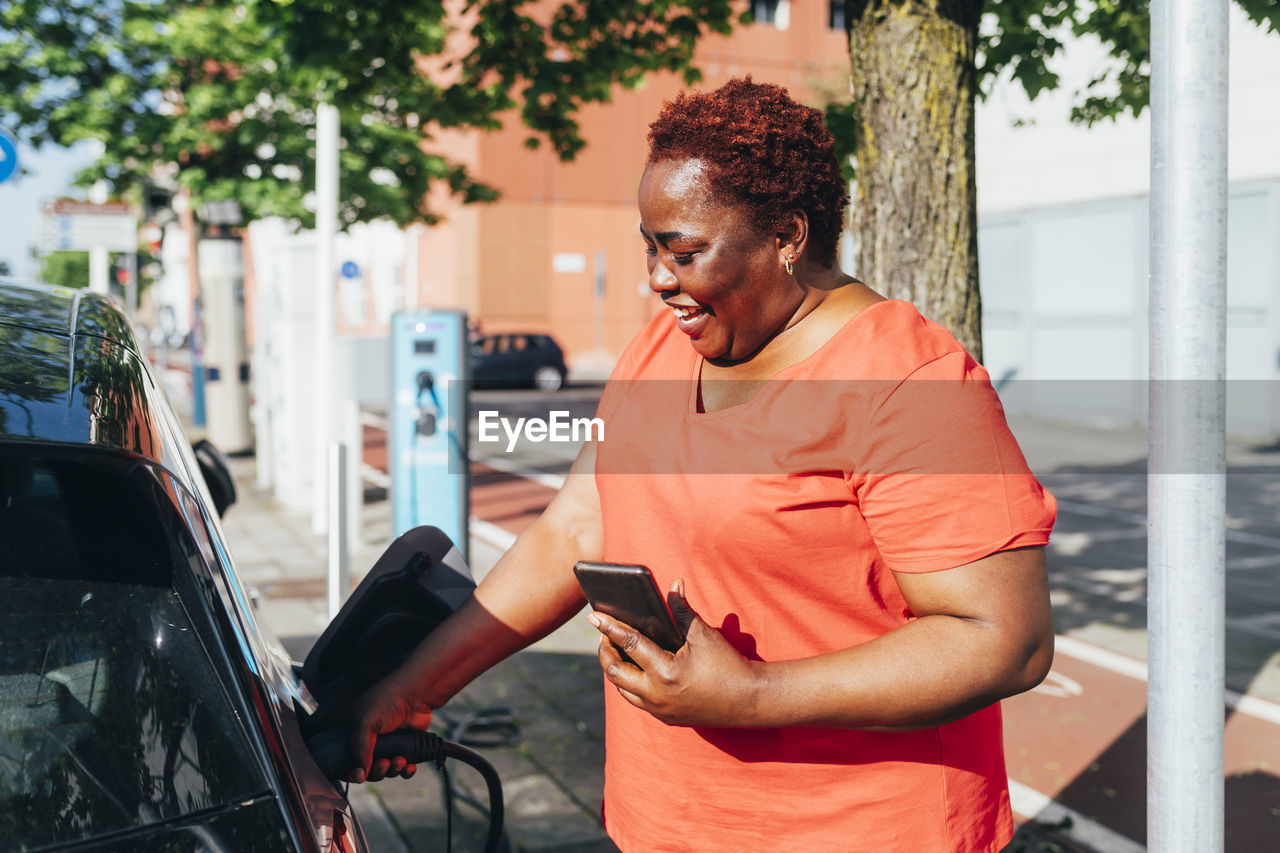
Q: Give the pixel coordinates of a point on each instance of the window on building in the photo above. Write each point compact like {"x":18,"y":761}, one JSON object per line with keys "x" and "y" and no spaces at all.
{"x":764,"y":11}
{"x":835,"y":14}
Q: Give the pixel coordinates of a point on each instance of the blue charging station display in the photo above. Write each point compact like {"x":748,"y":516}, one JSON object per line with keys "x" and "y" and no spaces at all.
{"x":430,"y":471}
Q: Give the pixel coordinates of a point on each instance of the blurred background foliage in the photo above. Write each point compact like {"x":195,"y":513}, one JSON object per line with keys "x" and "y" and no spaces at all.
{"x":220,"y":96}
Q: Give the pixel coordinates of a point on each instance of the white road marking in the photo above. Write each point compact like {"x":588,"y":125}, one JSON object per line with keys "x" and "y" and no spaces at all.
{"x":497,"y":463}
{"x":1137,"y":669}
{"x":1241,"y":536}
{"x":1100,"y":512}
{"x":1266,"y":561}
{"x":1057,"y":684}
{"x":373,"y":419}
{"x":1030,"y":803}
{"x":491,"y":534}
{"x":374,"y":475}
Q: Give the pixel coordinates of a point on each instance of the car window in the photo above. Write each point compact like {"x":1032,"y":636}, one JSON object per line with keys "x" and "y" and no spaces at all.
{"x":112,"y":714}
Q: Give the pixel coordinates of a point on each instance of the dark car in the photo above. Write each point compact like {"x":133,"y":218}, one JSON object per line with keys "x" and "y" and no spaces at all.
{"x":516,"y":360}
{"x":141,"y":706}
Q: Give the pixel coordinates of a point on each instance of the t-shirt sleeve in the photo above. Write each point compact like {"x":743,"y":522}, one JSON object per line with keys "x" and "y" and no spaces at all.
{"x":940,"y":478}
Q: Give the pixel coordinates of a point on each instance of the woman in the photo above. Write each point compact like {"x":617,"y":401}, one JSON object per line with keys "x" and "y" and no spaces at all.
{"x":827,"y":479}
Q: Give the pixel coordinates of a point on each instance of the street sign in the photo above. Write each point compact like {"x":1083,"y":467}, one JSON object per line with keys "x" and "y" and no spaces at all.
{"x":79,"y":226}
{"x":8,"y":155}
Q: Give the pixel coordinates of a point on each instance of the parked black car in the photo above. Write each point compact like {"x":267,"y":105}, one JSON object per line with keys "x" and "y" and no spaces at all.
{"x":141,"y":706}
{"x":517,"y":360}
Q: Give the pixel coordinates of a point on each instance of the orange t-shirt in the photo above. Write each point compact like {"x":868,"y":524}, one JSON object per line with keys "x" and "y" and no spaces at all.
{"x":885,"y":450}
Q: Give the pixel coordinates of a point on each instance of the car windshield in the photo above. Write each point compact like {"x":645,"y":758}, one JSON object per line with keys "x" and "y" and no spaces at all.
{"x":112,"y":714}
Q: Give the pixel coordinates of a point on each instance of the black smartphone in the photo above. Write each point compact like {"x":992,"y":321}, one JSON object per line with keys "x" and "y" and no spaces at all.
{"x":629,"y":594}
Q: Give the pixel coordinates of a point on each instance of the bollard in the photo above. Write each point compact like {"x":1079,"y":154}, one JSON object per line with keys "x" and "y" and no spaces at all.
{"x":339,"y":547}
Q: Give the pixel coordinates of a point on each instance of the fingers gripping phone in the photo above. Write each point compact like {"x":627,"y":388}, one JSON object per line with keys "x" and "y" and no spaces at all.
{"x":629,"y":594}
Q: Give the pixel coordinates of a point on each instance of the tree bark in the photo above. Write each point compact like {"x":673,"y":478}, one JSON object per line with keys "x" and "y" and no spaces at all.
{"x":915,"y":206}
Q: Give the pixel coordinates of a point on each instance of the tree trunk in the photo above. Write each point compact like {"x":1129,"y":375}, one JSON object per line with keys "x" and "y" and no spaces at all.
{"x":915,"y":208}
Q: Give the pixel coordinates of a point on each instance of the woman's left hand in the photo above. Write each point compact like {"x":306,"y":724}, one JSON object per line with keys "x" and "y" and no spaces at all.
{"x":706,"y":683}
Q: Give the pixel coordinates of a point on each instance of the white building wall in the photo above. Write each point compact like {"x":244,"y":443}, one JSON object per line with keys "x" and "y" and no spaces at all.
{"x":1030,"y":154}
{"x":1063,"y":245}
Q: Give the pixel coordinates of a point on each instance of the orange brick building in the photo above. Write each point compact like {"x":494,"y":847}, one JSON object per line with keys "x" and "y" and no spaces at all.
{"x":531,"y":261}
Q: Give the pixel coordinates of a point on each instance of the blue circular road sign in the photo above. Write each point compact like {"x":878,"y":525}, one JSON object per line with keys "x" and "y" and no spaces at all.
{"x":8,"y":155}
{"x":350,"y":269}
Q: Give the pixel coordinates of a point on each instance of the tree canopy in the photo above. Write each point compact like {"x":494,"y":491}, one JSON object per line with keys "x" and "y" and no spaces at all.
{"x":65,"y":269}
{"x":220,"y":96}
{"x":1020,"y":37}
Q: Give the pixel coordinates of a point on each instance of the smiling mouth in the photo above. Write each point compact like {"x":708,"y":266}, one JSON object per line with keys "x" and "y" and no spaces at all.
{"x":687,"y":312}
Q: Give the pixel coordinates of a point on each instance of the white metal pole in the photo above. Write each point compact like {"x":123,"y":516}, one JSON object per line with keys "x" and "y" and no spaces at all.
{"x":1186,"y":488}
{"x":339,"y":547}
{"x":353,"y":437}
{"x":99,"y":270}
{"x":131,"y":289}
{"x":326,"y":328}
{"x":412,"y":268}
{"x":599,"y":299}
{"x":265,"y":366}
{"x":99,"y":258}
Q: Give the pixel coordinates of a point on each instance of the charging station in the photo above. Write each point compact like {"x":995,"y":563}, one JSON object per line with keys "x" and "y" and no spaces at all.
{"x":225,"y":367}
{"x":430,"y":468}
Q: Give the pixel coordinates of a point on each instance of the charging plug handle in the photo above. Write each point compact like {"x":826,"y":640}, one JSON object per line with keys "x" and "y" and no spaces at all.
{"x":329,"y":749}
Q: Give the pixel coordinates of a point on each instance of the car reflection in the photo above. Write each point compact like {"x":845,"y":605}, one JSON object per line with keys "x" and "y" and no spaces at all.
{"x":111,"y":712}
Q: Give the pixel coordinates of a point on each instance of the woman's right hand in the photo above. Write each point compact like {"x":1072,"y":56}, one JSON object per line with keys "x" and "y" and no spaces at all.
{"x":529,"y":593}
{"x":386,"y":707}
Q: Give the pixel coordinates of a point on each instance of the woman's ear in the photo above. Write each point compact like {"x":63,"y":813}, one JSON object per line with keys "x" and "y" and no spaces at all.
{"x":793,"y":234}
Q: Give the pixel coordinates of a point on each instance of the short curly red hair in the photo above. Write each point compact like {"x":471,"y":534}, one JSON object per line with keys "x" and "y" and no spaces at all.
{"x":766,"y":152}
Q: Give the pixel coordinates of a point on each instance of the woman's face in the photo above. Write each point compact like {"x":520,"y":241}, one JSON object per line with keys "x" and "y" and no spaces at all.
{"x":721,"y":275}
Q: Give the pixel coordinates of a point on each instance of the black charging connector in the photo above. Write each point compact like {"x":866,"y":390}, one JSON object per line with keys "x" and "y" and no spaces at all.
{"x":329,"y":749}
{"x":428,"y":405}
{"x":415,"y":585}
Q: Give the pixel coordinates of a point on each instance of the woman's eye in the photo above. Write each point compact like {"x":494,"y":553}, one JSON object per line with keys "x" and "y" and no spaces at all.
{"x":683,"y":259}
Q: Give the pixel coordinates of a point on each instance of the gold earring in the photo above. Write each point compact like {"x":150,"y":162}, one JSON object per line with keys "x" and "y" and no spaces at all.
{"x":791,"y":270}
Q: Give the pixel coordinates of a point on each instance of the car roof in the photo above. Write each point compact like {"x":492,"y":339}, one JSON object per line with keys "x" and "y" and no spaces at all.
{"x":62,"y":311}
{"x":71,"y":373}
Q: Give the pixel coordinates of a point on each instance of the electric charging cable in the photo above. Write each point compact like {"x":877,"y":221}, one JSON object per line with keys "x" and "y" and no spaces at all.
{"x":329,"y":749}
{"x":489,"y":727}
